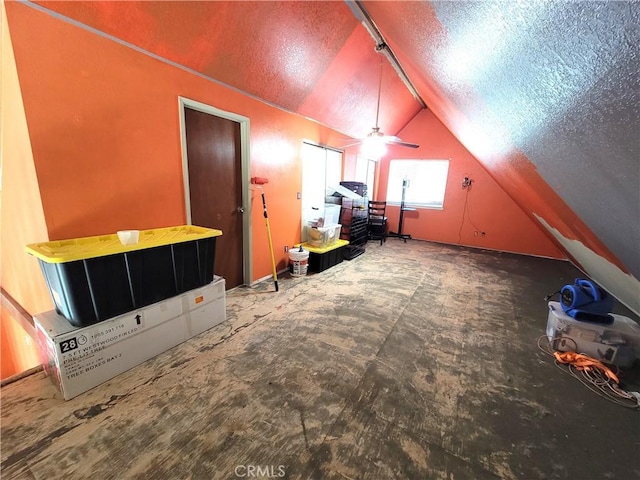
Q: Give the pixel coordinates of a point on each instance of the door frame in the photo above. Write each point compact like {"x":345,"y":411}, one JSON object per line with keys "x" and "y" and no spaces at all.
{"x":183,"y":102}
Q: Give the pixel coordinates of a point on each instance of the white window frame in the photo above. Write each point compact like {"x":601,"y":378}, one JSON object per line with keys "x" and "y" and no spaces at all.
{"x":366,"y":173}
{"x":420,"y":174}
{"x":321,"y":168}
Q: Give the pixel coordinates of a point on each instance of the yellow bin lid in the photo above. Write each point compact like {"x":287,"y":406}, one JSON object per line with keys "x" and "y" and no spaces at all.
{"x":60,"y":251}
{"x":337,"y":244}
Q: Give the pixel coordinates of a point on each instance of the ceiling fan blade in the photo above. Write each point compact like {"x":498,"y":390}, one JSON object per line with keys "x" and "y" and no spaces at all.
{"x":405,"y":144}
{"x":399,"y":142}
{"x":352,"y":144}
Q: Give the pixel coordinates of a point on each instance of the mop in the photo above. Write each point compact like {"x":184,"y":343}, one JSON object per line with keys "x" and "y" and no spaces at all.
{"x":259,"y":181}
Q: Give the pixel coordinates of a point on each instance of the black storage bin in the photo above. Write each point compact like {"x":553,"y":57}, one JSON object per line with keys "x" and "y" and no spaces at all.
{"x":319,"y":262}
{"x":96,"y":278}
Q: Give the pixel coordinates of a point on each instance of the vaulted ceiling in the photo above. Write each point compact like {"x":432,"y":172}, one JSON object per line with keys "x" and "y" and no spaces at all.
{"x":312,"y":58}
{"x":534,"y":90}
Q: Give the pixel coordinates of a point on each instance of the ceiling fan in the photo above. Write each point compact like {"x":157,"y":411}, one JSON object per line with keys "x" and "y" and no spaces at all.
{"x":375,"y":141}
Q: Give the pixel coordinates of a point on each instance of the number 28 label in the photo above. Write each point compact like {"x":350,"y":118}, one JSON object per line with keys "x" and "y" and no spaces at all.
{"x":68,"y":345}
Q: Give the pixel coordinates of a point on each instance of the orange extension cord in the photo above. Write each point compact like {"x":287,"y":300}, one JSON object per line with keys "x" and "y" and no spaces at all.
{"x":595,"y":375}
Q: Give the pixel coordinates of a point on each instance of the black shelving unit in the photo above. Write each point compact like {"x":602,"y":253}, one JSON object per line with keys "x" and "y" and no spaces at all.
{"x":353,"y":218}
{"x":356,"y":187}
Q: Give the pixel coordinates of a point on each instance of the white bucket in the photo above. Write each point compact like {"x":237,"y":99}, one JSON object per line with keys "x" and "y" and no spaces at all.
{"x":298,"y":262}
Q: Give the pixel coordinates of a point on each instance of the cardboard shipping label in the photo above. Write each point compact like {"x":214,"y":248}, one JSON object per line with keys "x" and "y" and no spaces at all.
{"x":79,"y":352}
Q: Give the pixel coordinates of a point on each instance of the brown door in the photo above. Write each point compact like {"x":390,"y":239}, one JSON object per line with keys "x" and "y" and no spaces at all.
{"x":215,"y":184}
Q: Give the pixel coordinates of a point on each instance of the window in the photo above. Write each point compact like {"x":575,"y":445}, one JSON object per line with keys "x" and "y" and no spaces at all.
{"x":321,"y":168}
{"x":427,"y":180}
{"x":365,"y":173}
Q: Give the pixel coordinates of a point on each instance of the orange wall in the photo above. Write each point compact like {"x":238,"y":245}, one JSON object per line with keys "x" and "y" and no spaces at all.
{"x":100,"y":150}
{"x":103,"y":141}
{"x":22,"y":219}
{"x":19,"y":350}
{"x":488,"y":208}
{"x":104,"y":127}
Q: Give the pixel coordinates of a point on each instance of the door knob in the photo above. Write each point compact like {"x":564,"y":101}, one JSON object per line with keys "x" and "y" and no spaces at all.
{"x":239,"y":209}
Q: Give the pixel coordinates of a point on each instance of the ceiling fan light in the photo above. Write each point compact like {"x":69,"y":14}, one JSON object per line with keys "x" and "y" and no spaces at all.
{"x":373,"y":147}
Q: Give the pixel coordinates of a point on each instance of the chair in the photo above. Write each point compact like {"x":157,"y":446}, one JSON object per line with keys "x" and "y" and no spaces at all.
{"x":377,"y":223}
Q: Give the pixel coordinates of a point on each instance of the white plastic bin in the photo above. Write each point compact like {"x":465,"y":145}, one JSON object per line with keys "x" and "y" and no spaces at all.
{"x":617,"y":342}
{"x":320,"y":237}
{"x":330,"y":215}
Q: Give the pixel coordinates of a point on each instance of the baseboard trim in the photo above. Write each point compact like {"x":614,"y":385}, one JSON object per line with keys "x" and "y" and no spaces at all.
{"x":476,"y":247}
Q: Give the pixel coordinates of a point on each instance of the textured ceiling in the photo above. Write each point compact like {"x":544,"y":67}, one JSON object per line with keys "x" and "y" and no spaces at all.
{"x":312,"y":58}
{"x":557,"y":82}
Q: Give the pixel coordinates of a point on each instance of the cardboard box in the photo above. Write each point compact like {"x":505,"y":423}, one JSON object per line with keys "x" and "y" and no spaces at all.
{"x":80,"y":358}
{"x":616,"y":343}
{"x":205,"y":306}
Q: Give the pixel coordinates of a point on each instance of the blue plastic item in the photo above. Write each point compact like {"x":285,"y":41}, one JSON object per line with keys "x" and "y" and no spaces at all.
{"x":584,"y":300}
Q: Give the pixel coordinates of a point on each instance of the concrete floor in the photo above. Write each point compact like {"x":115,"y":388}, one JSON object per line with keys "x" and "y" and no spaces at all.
{"x":415,"y":360}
